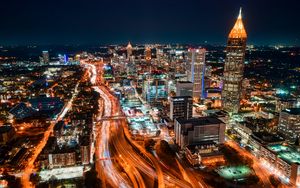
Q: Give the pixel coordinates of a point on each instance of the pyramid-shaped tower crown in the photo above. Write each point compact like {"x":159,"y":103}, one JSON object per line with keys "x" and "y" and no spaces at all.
{"x":238,"y":30}
{"x":129,"y":45}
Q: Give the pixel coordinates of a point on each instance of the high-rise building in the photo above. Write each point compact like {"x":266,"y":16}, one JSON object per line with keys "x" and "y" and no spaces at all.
{"x":181,"y":107}
{"x":148,"y":54}
{"x":184,"y":88}
{"x":289,"y":123}
{"x":155,"y":90}
{"x":196,"y":71}
{"x":234,"y":66}
{"x":129,"y":50}
{"x":45,"y":57}
{"x":284,"y":103}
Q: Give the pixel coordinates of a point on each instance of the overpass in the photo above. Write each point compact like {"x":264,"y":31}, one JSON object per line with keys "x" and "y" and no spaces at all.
{"x":105,"y":118}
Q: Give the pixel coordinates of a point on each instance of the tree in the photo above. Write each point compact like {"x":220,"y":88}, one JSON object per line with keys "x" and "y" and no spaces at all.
{"x":165,"y":148}
{"x":149,"y":143}
{"x":274,"y":181}
{"x":91,"y":180}
{"x":35,"y":178}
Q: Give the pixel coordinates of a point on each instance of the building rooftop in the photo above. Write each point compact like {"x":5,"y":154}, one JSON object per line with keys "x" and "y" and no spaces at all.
{"x":286,"y":153}
{"x":292,"y":111}
{"x":184,"y":82}
{"x":200,"y":121}
{"x":199,"y":144}
{"x":179,"y":97}
{"x":21,"y":111}
{"x":214,"y":90}
{"x":266,"y":138}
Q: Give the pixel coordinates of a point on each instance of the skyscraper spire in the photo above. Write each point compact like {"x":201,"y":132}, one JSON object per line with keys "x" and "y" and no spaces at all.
{"x":234,"y":66}
{"x":238,"y":30}
{"x":240,"y":14}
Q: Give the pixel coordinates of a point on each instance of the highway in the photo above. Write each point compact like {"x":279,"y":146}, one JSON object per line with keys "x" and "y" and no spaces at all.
{"x":104,"y":161}
{"x":106,"y":167}
{"x":115,"y":149}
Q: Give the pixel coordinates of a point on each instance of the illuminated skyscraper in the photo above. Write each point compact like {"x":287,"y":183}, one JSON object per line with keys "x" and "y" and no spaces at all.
{"x":148,"y":54}
{"x":196,"y":71}
{"x":234,"y":66}
{"x":129,"y":50}
{"x":45,"y":57}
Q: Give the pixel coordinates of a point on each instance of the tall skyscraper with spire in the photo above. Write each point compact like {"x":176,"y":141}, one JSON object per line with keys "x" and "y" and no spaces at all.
{"x":234,"y":66}
{"x":129,"y":50}
{"x":148,"y":54}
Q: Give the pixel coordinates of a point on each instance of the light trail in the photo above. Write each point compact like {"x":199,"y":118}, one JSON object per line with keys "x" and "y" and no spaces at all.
{"x":102,"y":139}
{"x":124,"y":148}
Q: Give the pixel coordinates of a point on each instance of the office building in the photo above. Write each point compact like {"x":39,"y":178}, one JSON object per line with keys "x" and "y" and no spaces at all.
{"x":184,"y":88}
{"x":45,"y":57}
{"x":284,"y":103}
{"x":181,"y":107}
{"x":195,"y":130}
{"x":196,"y":71}
{"x":155,"y":90}
{"x":234,"y":67}
{"x":284,"y":160}
{"x":289,"y":123}
{"x":257,"y":140}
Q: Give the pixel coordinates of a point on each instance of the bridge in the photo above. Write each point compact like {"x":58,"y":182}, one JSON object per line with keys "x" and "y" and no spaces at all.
{"x":104,"y":118}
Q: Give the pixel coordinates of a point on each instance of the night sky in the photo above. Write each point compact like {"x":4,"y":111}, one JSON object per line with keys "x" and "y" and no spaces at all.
{"x":140,"y":21}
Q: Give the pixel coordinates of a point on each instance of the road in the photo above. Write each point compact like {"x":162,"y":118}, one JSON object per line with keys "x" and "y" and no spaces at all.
{"x":104,"y":161}
{"x":261,"y":172}
{"x":114,"y":145}
{"x":29,"y":169}
{"x":105,"y":164}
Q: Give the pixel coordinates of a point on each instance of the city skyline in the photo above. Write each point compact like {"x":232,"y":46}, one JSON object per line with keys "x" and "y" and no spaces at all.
{"x":142,"y":114}
{"x":192,"y":22}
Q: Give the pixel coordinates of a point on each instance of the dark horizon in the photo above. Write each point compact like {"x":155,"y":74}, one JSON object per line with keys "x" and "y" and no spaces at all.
{"x":186,"y":22}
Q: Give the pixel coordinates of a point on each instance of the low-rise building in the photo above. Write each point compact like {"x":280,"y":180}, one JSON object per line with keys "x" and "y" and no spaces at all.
{"x":257,"y":140}
{"x":61,"y":159}
{"x":283,"y":104}
{"x":206,"y":152}
{"x":284,"y":160}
